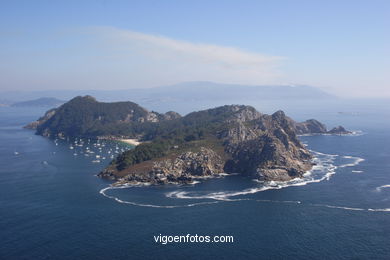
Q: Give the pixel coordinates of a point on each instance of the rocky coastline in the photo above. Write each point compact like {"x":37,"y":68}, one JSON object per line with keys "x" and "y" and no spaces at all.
{"x":232,"y":139}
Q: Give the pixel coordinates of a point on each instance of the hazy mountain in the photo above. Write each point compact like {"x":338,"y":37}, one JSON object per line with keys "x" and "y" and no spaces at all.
{"x":202,"y":90}
{"x":40,"y":102}
{"x":183,"y":91}
{"x":190,"y":96}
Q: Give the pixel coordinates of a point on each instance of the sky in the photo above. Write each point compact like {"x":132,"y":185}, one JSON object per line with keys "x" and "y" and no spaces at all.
{"x":342,"y":47}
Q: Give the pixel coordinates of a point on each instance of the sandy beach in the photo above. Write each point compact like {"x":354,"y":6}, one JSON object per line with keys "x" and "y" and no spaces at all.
{"x":130,"y":141}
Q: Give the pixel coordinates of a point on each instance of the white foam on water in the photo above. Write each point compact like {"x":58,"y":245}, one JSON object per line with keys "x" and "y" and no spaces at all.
{"x":356,"y":161}
{"x":103,"y":192}
{"x":323,"y":169}
{"x":380,"y":210}
{"x":380,"y":188}
{"x":338,"y":207}
{"x":355,"y":209}
{"x":218,"y":200}
{"x":353,"y":133}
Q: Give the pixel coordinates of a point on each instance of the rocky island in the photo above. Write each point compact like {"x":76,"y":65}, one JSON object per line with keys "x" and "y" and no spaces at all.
{"x":180,"y":149}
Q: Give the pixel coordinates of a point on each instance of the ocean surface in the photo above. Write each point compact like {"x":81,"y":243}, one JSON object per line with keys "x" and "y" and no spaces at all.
{"x":52,"y":205}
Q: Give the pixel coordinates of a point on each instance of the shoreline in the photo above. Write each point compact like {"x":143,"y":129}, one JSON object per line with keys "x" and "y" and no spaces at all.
{"x":134,"y":142}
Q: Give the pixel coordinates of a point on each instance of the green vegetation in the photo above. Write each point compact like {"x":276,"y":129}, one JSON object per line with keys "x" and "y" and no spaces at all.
{"x":186,"y":133}
{"x":141,"y":153}
{"x":85,"y":117}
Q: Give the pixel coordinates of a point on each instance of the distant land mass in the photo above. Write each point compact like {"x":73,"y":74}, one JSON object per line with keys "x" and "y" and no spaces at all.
{"x":197,"y":92}
{"x":179,"y":149}
{"x":40,"y":102}
{"x":201,"y":90}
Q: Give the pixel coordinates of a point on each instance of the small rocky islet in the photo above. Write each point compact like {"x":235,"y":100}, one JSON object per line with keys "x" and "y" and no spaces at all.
{"x":180,"y":149}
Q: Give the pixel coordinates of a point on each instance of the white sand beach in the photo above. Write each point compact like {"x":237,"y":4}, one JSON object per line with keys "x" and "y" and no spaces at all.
{"x":130,"y":141}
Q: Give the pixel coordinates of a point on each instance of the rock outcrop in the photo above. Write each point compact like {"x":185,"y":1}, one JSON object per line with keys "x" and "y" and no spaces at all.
{"x":339,"y":130}
{"x":310,"y":126}
{"x":170,"y":115}
{"x":183,"y":168}
{"x":313,"y":126}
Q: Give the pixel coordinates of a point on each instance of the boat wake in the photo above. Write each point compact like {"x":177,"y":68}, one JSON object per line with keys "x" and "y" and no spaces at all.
{"x":103,"y":192}
{"x":323,"y":170}
{"x":353,"y":133}
{"x":380,"y":188}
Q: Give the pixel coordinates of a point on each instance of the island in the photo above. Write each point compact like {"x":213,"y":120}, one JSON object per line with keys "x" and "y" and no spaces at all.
{"x":230,"y":139}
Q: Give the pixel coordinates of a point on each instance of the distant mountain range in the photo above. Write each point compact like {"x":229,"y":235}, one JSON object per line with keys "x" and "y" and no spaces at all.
{"x":39,"y":102}
{"x":187,"y":91}
{"x":192,"y":96}
{"x":202,"y":90}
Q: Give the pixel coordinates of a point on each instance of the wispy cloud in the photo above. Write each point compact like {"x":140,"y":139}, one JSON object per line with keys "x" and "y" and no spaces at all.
{"x":112,"y":58}
{"x":168,"y":60}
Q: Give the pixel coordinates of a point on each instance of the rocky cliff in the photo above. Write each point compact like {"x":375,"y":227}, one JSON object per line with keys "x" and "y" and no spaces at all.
{"x":183,"y":168}
{"x":313,"y":126}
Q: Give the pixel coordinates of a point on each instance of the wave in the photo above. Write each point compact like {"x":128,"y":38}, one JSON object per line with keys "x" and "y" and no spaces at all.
{"x":350,"y":208}
{"x":380,"y":210}
{"x":323,"y":169}
{"x":356,"y":161}
{"x":338,"y":207}
{"x":178,"y":195}
{"x":103,"y":192}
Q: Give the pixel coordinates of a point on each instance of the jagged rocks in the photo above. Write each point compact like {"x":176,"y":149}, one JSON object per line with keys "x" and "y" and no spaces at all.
{"x":339,"y":130}
{"x":310,"y":126}
{"x":181,"y":169}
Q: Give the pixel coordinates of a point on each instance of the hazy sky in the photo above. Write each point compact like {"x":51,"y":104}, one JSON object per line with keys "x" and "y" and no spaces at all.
{"x":340,"y":46}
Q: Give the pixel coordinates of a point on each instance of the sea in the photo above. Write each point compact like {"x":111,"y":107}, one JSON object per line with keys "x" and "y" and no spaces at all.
{"x":53,"y":206}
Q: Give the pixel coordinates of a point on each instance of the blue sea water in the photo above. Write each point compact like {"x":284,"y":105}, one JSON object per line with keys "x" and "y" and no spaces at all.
{"x":52,"y":206}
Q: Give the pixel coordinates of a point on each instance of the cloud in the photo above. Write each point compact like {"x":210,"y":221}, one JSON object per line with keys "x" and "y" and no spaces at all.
{"x":112,"y":58}
{"x":152,"y":60}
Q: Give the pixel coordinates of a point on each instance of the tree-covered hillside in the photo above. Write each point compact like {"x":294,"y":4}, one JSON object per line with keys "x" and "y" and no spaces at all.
{"x":86,"y":117}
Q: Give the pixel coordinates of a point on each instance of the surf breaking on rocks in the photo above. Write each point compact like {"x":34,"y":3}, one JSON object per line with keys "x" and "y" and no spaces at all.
{"x":323,"y":170}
